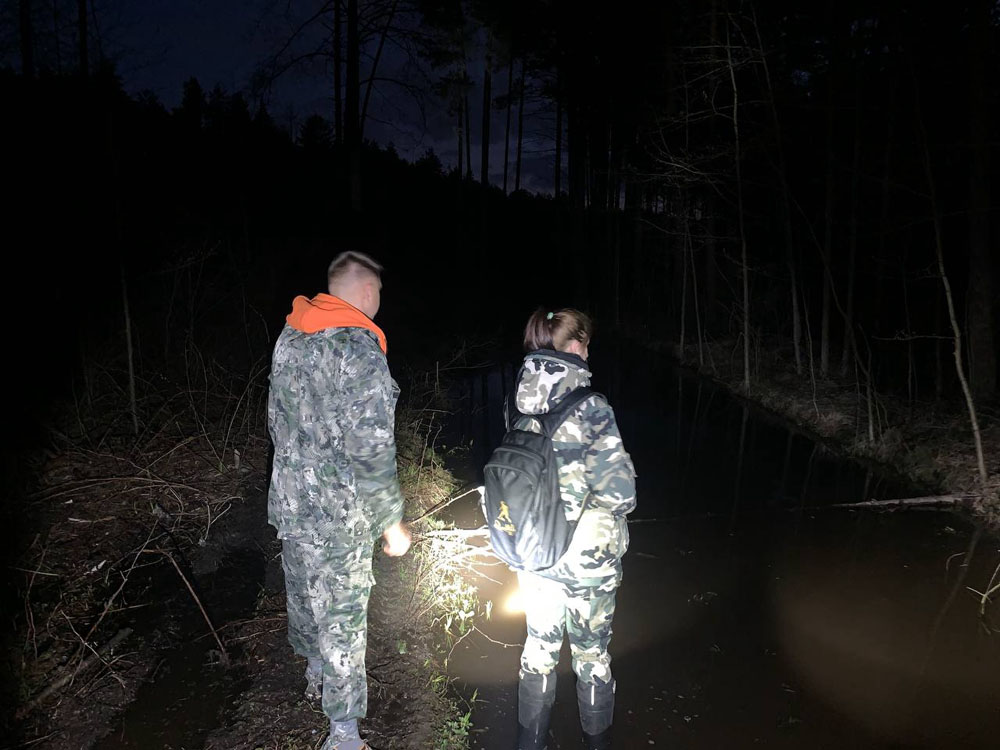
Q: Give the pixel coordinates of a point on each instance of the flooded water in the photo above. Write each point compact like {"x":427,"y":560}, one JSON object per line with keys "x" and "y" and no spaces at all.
{"x":751,"y":614}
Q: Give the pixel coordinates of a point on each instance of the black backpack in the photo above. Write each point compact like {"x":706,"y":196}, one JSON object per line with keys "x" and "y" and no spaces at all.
{"x":521,"y":499}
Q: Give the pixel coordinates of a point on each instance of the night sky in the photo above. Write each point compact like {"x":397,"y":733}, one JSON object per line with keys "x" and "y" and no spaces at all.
{"x":158,"y":44}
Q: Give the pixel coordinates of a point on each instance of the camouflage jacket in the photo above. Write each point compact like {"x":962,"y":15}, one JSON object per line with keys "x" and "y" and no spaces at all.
{"x":331,"y":414}
{"x":596,"y":476}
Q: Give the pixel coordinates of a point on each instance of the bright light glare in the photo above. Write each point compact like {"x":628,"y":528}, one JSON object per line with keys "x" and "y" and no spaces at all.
{"x":515,"y":602}
{"x":481,"y":490}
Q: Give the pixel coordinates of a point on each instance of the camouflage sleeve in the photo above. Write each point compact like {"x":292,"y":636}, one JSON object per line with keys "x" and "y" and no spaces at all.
{"x":368,"y":420}
{"x":610,"y":474}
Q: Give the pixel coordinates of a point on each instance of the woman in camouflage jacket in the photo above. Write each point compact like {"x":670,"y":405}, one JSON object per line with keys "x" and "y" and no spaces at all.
{"x":597,"y":485}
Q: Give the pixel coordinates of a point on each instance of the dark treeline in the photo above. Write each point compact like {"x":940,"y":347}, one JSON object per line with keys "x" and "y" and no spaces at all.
{"x":782,"y":176}
{"x":203,"y":222}
{"x":777,"y":185}
{"x":786,"y":174}
{"x":153,"y":254}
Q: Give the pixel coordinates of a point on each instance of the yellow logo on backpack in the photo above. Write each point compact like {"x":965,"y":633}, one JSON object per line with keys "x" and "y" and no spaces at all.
{"x":503,"y":521}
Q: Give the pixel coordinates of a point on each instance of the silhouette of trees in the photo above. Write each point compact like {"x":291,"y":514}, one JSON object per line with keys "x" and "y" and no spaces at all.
{"x":810,"y":239}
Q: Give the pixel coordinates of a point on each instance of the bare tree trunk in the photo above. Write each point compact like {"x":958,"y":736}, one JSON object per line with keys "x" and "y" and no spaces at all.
{"x":616,"y":251}
{"x":910,"y":370}
{"x":557,"y":176}
{"x":796,"y":312}
{"x":119,"y":221}
{"x":461,"y":138}
{"x":981,"y":299}
{"x":468,"y":133}
{"x":520,"y":130}
{"x":884,"y":230}
{"x":131,"y":356}
{"x":510,"y":106}
{"x":786,"y":205}
{"x":352,"y":121}
{"x":578,"y":235}
{"x":952,"y":316}
{"x":938,"y":352}
{"x":743,"y":235}
{"x":694,"y":288}
{"x":81,"y":23}
{"x":711,"y":270}
{"x":375,"y":61}
{"x":809,"y":350}
{"x":338,"y":84}
{"x":853,"y":241}
{"x":460,"y":185}
{"x":599,"y":164}
{"x":27,"y":43}
{"x":681,"y":343}
{"x":827,"y":250}
{"x":484,"y":168}
{"x":55,"y":36}
{"x":96,"y":30}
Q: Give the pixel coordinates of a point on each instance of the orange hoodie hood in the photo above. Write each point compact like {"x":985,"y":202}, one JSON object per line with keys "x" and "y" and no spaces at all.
{"x":326,"y":311}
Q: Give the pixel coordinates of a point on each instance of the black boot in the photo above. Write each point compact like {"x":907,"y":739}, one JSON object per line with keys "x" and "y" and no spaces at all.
{"x":597,"y":709}
{"x":535,"y":695}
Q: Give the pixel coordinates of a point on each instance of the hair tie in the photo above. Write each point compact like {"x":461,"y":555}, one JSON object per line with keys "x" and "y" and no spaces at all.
{"x":549,"y":316}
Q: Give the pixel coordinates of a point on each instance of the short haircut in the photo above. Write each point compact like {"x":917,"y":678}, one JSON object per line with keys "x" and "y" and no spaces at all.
{"x":349,"y":263}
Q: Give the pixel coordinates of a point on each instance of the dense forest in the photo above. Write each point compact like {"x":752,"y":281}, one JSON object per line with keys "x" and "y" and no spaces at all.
{"x":782,"y":190}
{"x":786,"y":174}
{"x":801,"y":184}
{"x":792,"y":185}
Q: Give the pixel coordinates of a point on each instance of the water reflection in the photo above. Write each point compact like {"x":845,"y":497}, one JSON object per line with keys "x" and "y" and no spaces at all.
{"x":749,"y":614}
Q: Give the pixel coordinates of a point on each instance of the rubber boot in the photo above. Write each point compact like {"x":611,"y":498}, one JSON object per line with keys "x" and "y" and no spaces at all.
{"x":536,"y":693}
{"x":597,"y":710}
{"x":344,"y":736}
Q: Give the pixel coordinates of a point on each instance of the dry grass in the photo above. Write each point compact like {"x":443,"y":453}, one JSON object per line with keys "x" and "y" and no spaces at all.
{"x":106,"y":495}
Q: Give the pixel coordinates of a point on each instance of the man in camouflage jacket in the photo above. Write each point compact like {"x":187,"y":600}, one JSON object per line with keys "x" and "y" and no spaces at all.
{"x":577,"y":594}
{"x":334,"y":488}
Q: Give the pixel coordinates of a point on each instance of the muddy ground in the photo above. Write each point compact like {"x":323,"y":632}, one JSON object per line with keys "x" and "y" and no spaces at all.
{"x":148,"y":599}
{"x":408,"y":703}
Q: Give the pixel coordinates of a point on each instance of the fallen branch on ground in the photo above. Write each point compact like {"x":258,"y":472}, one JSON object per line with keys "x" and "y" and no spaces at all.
{"x":120,"y":636}
{"x":931,"y":501}
{"x":443,"y":504}
{"x":910,"y":501}
{"x":224,"y":654}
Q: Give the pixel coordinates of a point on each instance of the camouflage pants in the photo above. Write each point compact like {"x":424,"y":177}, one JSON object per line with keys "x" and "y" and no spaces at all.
{"x":328,"y":590}
{"x":584,"y":610}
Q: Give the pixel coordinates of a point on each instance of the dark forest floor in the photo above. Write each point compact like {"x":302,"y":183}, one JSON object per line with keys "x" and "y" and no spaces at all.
{"x":929,"y":442}
{"x":132,"y":535}
{"x":408,"y":701}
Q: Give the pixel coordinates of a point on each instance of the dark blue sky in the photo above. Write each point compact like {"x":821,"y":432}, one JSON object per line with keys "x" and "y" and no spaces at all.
{"x":158,"y":44}
{"x":170,"y":39}
{"x":161,"y":43}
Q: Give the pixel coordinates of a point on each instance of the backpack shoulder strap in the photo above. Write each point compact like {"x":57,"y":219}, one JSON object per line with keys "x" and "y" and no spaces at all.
{"x":550,"y":422}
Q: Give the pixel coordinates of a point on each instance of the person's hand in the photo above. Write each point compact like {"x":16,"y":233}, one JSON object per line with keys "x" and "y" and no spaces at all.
{"x":397,"y":540}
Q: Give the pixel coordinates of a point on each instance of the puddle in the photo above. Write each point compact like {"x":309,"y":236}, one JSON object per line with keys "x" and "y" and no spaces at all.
{"x":749,"y":613}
